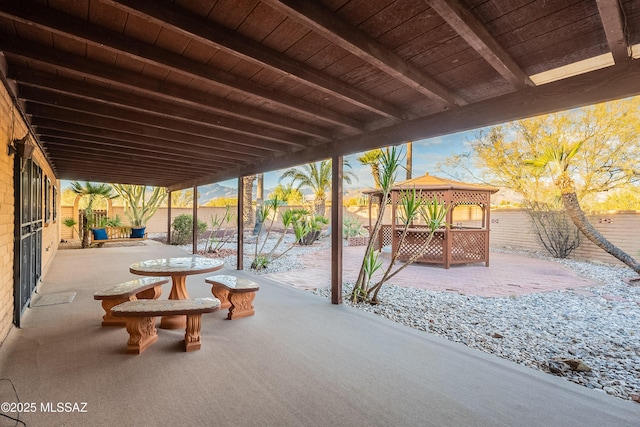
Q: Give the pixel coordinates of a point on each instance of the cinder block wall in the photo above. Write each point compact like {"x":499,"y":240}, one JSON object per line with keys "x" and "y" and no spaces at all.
{"x":512,"y":228}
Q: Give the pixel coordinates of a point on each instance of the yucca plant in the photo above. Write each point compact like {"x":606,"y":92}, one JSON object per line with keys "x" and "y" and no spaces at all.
{"x":413,"y":206}
{"x":371,"y":265}
{"x":215,"y":242}
{"x":389,"y":162}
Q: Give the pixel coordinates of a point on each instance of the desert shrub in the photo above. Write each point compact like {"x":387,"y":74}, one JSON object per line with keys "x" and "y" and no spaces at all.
{"x":182,"y":229}
{"x":554,"y":229}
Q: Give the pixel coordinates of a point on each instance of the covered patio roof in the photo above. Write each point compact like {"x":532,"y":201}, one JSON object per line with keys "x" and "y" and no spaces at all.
{"x":182,"y":93}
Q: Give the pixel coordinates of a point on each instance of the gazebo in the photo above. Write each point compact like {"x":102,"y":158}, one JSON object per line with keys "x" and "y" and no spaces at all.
{"x":465,"y":238}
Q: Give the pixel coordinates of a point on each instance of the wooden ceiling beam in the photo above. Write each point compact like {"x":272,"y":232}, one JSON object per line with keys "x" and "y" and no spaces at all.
{"x":106,"y":160}
{"x":602,"y":85}
{"x":465,"y":23}
{"x":71,"y":152}
{"x":40,"y":96}
{"x":53,"y":84}
{"x":87,"y":170}
{"x":159,"y":144}
{"x":140,"y":130}
{"x":53,"y":137}
{"x":122,"y":78}
{"x":208,"y":32}
{"x":82,"y":31}
{"x":317,"y":17}
{"x":614,"y":28}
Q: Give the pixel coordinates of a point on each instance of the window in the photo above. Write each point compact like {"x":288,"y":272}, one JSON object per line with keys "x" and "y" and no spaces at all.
{"x":47,"y":200}
{"x":54,"y":199}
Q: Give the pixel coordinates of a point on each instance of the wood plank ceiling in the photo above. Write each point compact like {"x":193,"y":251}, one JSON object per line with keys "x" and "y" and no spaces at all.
{"x":188,"y":92}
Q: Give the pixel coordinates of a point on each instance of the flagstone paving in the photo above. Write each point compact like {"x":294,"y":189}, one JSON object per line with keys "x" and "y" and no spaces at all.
{"x":507,"y":274}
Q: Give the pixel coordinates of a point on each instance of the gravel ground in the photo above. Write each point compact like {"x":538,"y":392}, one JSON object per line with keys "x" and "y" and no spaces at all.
{"x":589,"y":336}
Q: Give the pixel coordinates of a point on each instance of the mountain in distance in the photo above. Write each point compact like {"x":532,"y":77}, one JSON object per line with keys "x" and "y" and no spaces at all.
{"x":215,"y":191}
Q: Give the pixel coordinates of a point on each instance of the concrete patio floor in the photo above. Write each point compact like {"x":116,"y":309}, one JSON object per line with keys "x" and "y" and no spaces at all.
{"x":300,"y":361}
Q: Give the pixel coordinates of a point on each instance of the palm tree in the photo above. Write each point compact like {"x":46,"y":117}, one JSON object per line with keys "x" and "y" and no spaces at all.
{"x":91,"y":193}
{"x":558,"y":158}
{"x":290,"y":195}
{"x":316,"y":176}
{"x":372,"y":158}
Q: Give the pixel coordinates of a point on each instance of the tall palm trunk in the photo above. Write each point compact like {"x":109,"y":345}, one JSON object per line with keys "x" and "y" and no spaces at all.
{"x":84,"y":226}
{"x":319,"y":205}
{"x":572,"y":206}
{"x":375,"y":171}
{"x":247,"y":199}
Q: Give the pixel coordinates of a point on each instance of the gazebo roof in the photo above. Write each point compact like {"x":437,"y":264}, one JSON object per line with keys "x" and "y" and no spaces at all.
{"x":430,"y":182}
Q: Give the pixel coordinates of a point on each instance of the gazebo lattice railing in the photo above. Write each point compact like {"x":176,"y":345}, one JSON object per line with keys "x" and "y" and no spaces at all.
{"x":465,"y":238}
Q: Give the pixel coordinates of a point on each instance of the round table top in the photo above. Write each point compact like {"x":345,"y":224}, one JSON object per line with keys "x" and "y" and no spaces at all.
{"x":180,"y":265}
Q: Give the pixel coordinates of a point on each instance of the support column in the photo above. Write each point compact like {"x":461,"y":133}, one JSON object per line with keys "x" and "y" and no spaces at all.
{"x":336,"y":229}
{"x":240,"y":237}
{"x":195,"y":220}
{"x":168,"y":217}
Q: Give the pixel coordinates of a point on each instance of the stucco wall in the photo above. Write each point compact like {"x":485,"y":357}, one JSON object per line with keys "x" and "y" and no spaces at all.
{"x":158,"y":223}
{"x":509,"y":228}
{"x":512,"y":228}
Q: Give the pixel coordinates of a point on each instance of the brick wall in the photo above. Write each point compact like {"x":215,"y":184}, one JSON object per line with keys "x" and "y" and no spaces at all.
{"x":512,"y":228}
{"x":11,"y":127}
{"x":6,"y":213}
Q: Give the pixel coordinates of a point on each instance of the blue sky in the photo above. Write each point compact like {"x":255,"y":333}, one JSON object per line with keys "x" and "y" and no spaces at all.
{"x":426,"y":154}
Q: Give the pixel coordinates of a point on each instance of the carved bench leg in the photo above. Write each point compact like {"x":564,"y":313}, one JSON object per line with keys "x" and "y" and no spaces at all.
{"x":153,"y":293}
{"x":109,"y":319}
{"x":142,"y":333}
{"x":241,"y":305}
{"x":222,"y":294}
{"x":192,"y":334}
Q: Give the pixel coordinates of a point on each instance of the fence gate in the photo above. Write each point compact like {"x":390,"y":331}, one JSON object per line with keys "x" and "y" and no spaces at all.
{"x":28,"y":242}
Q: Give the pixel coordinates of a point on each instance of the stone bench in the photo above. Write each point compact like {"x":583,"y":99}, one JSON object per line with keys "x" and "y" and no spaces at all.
{"x":145,"y":288}
{"x":235,"y":293}
{"x":141,"y":320}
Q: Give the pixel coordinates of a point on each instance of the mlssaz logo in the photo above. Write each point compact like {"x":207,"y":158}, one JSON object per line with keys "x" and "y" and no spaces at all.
{"x":63,"y":407}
